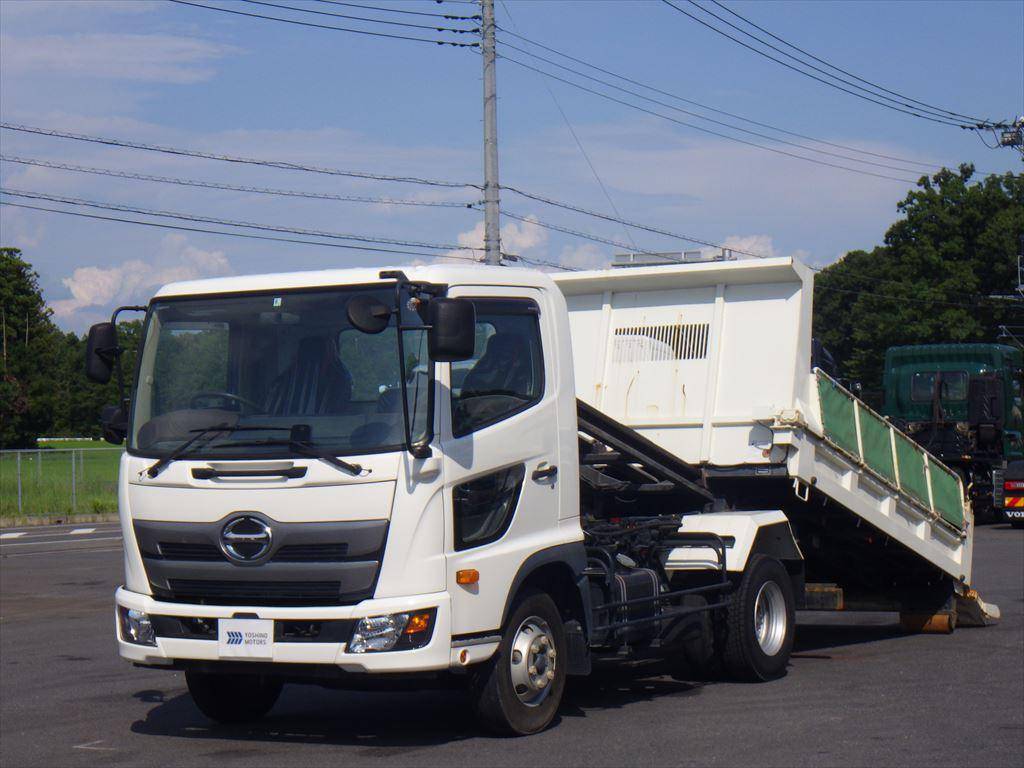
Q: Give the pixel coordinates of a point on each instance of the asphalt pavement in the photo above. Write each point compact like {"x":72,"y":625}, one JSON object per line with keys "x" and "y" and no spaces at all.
{"x":858,"y":691}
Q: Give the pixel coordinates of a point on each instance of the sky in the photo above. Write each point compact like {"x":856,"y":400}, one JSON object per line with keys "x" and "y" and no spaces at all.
{"x":181,"y":76}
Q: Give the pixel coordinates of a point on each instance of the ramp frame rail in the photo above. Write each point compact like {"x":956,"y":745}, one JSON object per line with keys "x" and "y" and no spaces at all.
{"x":871,"y":440}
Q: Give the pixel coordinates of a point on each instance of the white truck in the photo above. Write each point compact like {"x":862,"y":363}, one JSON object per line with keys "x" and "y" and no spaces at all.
{"x":489,"y":476}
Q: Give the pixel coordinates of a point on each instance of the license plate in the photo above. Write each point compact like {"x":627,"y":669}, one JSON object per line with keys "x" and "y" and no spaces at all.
{"x":245,"y":638}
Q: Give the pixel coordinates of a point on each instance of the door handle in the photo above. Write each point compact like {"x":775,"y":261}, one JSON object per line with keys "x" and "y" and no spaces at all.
{"x":544,"y":472}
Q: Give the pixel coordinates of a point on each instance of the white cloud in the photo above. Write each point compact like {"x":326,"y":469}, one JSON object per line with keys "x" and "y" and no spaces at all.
{"x":134,"y":279}
{"x":516,"y":238}
{"x":587,"y":256}
{"x":146,"y":58}
{"x":759,"y":244}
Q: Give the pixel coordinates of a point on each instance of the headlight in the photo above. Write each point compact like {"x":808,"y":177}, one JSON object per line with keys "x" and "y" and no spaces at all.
{"x":393,"y":632}
{"x":136,"y":627}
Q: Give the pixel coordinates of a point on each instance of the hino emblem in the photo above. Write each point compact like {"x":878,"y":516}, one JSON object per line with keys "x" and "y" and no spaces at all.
{"x":246,"y":539}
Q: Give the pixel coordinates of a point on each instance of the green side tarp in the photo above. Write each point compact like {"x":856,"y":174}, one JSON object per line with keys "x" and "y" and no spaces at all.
{"x":837,"y":416}
{"x":874,"y":434}
{"x":947,"y":496}
{"x":911,"y":464}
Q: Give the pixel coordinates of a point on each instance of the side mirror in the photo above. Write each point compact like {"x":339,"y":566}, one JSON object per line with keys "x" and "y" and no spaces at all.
{"x":114,"y":423}
{"x":368,"y":314}
{"x":101,"y":352}
{"x":452,"y":333}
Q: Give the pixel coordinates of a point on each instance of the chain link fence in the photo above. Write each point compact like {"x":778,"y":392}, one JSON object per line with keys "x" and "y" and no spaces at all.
{"x":58,"y":481}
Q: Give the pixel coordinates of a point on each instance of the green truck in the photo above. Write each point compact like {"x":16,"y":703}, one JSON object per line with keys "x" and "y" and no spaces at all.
{"x":963,"y":403}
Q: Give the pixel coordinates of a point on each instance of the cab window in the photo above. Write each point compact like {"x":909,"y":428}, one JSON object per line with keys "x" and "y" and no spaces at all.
{"x":506,"y":373}
{"x":952,"y":385}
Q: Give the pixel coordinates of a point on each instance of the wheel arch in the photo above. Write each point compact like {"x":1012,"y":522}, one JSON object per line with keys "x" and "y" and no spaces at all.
{"x":558,"y":572}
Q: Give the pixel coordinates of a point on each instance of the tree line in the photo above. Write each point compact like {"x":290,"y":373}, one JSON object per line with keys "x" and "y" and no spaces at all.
{"x":936,"y":278}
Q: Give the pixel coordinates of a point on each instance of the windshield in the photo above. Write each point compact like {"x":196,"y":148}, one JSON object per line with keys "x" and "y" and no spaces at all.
{"x":953,"y":385}
{"x":290,"y":362}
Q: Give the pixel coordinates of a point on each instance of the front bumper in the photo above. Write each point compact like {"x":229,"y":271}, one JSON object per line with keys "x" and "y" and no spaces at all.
{"x":438,"y":654}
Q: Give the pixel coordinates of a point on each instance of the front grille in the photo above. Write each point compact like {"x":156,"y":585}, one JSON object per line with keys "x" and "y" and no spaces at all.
{"x":308,"y":553}
{"x":178,"y":551}
{"x":223,"y":592}
{"x":289,"y":553}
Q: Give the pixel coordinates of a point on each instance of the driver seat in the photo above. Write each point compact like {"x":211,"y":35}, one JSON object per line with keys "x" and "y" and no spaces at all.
{"x":317,"y":383}
{"x":506,"y":365}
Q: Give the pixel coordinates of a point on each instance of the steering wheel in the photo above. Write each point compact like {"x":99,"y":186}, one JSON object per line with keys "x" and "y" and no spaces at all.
{"x":243,"y":401}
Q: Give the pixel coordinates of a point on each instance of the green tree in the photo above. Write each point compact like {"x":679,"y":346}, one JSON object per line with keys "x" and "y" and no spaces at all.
{"x":27,"y":341}
{"x":955,"y":246}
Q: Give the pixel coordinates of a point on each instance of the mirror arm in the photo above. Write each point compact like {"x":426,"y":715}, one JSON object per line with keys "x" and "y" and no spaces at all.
{"x":116,"y":352}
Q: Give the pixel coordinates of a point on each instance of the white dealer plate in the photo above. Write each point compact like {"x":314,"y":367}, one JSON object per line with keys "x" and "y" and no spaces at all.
{"x":245,"y":638}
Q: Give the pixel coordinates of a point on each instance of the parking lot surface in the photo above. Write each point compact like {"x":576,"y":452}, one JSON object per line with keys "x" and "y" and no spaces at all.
{"x":858,"y":691}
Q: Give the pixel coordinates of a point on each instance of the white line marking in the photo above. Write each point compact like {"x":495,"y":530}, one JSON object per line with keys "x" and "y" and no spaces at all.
{"x":92,"y":745}
{"x":81,"y":531}
{"x":58,"y":551}
{"x":11,"y":535}
{"x":65,"y":541}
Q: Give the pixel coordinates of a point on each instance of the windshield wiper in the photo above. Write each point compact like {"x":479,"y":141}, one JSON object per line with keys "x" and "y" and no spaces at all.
{"x":304,"y":448}
{"x":185,"y":447}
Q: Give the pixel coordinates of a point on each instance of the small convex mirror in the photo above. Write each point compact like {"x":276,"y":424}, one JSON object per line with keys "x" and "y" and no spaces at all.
{"x":368,"y":314}
{"x":100,"y":352}
{"x":452,"y":334}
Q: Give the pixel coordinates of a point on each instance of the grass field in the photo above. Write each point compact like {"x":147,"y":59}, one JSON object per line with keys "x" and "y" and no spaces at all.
{"x":49,"y":484}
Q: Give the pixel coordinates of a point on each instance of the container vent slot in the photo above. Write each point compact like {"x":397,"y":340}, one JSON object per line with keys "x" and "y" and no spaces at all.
{"x":652,"y":343}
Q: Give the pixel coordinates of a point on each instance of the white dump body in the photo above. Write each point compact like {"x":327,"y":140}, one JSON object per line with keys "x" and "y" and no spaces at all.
{"x":712,"y":361}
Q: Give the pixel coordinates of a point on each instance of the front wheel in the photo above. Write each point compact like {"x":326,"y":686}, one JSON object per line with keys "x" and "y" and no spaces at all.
{"x":233,"y":698}
{"x":519,"y":690}
{"x":760,"y":622}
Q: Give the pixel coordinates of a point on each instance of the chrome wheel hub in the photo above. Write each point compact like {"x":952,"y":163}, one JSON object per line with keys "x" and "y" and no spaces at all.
{"x":533,"y":661}
{"x":770,"y":618}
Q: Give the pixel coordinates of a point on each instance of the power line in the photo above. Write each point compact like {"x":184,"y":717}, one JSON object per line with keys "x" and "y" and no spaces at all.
{"x":704,"y":117}
{"x":710,"y":108}
{"x":898,"y":298}
{"x":231,"y":187}
{"x":230,"y":222}
{"x":859,"y":95}
{"x":575,"y":233}
{"x":838,"y":69}
{"x":324,"y":26}
{"x":634,"y":225}
{"x":281,"y":164}
{"x":408,"y":24}
{"x":448,"y":16}
{"x":579,"y":144}
{"x":776,"y":150}
{"x":180,"y":228}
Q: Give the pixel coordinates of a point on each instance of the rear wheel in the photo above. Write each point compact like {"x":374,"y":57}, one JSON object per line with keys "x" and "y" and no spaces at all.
{"x":760,"y":622}
{"x":233,"y":698}
{"x":519,"y":690}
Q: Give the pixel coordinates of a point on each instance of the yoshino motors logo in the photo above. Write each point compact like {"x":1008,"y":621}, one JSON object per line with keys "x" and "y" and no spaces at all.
{"x":234,"y":638}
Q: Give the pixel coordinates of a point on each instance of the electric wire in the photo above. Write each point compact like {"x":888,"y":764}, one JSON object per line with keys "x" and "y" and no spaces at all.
{"x":634,"y":225}
{"x":324,"y":26}
{"x":913,"y":113}
{"x":578,"y":233}
{"x":281,"y":164}
{"x":230,"y":222}
{"x":708,"y":119}
{"x":365,"y":7}
{"x":408,"y":24}
{"x":710,"y":131}
{"x":579,"y":144}
{"x":231,"y":187}
{"x":180,"y":228}
{"x":699,"y":105}
{"x":840,"y":69}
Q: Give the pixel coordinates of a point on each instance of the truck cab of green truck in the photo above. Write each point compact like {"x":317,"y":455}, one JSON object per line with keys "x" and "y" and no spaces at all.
{"x":962,"y":402}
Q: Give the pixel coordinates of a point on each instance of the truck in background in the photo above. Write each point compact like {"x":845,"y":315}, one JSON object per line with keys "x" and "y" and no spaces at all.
{"x":1013,"y":494}
{"x":484,"y":476}
{"x":962,"y":403}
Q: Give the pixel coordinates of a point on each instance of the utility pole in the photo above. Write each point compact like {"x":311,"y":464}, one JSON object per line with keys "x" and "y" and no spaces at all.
{"x":492,"y":221}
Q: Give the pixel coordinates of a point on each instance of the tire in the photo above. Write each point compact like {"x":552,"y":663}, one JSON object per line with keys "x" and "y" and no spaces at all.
{"x":508,"y":699}
{"x":233,"y":698}
{"x":765,"y":592}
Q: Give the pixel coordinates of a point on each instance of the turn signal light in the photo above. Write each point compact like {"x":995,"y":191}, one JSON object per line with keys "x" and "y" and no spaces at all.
{"x":418,"y":622}
{"x":467,"y":576}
